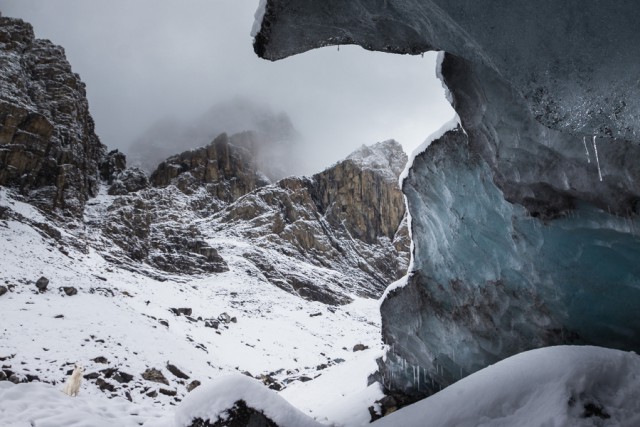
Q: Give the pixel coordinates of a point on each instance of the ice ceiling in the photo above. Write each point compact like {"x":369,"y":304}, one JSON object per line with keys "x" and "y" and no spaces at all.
{"x":525,"y":219}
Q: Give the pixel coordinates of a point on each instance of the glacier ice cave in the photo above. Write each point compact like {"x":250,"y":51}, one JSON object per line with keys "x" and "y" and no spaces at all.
{"x":526,"y":215}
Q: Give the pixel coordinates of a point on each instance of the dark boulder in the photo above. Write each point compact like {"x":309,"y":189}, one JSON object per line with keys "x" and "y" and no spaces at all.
{"x":360,"y":347}
{"x":193,"y":385}
{"x":69,"y":290}
{"x":123,"y":377}
{"x":177,"y":372}
{"x":154,"y":375}
{"x":42,"y":284}
{"x":240,"y":415}
{"x":182,"y":310}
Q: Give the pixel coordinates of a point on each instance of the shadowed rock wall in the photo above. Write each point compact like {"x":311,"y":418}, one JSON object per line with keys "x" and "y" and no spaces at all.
{"x":48,"y":147}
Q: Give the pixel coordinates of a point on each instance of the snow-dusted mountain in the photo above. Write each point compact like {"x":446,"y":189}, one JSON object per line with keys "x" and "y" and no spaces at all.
{"x":157,"y":284}
{"x":242,"y":301}
{"x":48,"y":145}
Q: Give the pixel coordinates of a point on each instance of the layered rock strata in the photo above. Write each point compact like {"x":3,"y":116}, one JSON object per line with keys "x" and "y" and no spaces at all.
{"x":349,"y":218}
{"x":48,"y":147}
{"x":338,"y":233}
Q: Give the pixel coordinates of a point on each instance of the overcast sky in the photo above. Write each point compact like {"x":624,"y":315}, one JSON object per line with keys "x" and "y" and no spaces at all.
{"x":145,"y":60}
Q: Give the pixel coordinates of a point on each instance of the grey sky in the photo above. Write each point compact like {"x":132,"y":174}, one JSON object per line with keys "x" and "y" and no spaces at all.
{"x":143,"y":60}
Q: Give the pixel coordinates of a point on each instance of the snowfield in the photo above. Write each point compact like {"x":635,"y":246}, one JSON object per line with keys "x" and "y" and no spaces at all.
{"x":120,"y":326}
{"x":556,"y":386}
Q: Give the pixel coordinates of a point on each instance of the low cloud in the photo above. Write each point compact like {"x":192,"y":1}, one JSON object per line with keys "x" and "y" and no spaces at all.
{"x":146,"y":61}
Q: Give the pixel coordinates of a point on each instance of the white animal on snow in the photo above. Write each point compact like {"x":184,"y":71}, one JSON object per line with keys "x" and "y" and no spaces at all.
{"x":72,"y":386}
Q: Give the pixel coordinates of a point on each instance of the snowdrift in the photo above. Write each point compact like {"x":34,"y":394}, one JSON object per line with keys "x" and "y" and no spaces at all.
{"x":555,"y":386}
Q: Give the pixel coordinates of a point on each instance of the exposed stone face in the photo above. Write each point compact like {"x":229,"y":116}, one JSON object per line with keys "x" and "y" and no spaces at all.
{"x":149,"y":226}
{"x":154,"y":375}
{"x":363,"y":197}
{"x":48,"y":147}
{"x":226,"y":170}
{"x":348,"y":217}
{"x":111,"y":165}
{"x":128,"y":181}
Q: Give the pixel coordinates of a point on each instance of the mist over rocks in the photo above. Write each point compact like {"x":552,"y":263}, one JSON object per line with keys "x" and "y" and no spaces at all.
{"x":270,"y":137}
{"x":48,"y":147}
{"x":226,"y":169}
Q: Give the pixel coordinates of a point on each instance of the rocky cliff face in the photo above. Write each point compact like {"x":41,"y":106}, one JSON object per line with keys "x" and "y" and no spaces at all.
{"x":156,"y":227}
{"x":48,"y":147}
{"x":339,"y":233}
{"x":360,"y":192}
{"x":524,"y":218}
{"x":348,"y":218}
{"x":227,"y":170}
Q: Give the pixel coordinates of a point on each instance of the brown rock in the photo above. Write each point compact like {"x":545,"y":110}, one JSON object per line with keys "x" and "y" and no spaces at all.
{"x":227,"y":171}
{"x":69,"y":290}
{"x":154,"y":375}
{"x":193,"y":385}
{"x":349,"y":218}
{"x":177,"y":372}
{"x":360,"y":347}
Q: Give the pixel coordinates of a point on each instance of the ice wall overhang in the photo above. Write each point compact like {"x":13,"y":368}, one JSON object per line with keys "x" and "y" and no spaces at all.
{"x":576,"y":63}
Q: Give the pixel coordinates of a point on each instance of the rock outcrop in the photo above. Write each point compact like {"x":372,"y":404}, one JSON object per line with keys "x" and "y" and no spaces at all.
{"x":226,"y":170}
{"x":338,"y":233}
{"x":153,"y":226}
{"x":270,"y":137}
{"x":524,"y":218}
{"x":361,"y":194}
{"x":237,"y":416}
{"x":348,"y":218}
{"x":48,"y":147}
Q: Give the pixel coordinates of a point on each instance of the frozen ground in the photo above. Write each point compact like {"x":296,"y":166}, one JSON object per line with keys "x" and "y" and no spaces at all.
{"x":555,"y":386}
{"x":122,"y":316}
{"x":120,"y":324}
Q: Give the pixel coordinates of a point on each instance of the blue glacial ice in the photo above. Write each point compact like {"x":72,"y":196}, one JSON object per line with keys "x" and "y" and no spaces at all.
{"x":525,"y":219}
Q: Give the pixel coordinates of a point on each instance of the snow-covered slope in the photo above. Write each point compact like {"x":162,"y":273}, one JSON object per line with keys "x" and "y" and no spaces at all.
{"x":554,"y":386}
{"x":120,"y":324}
